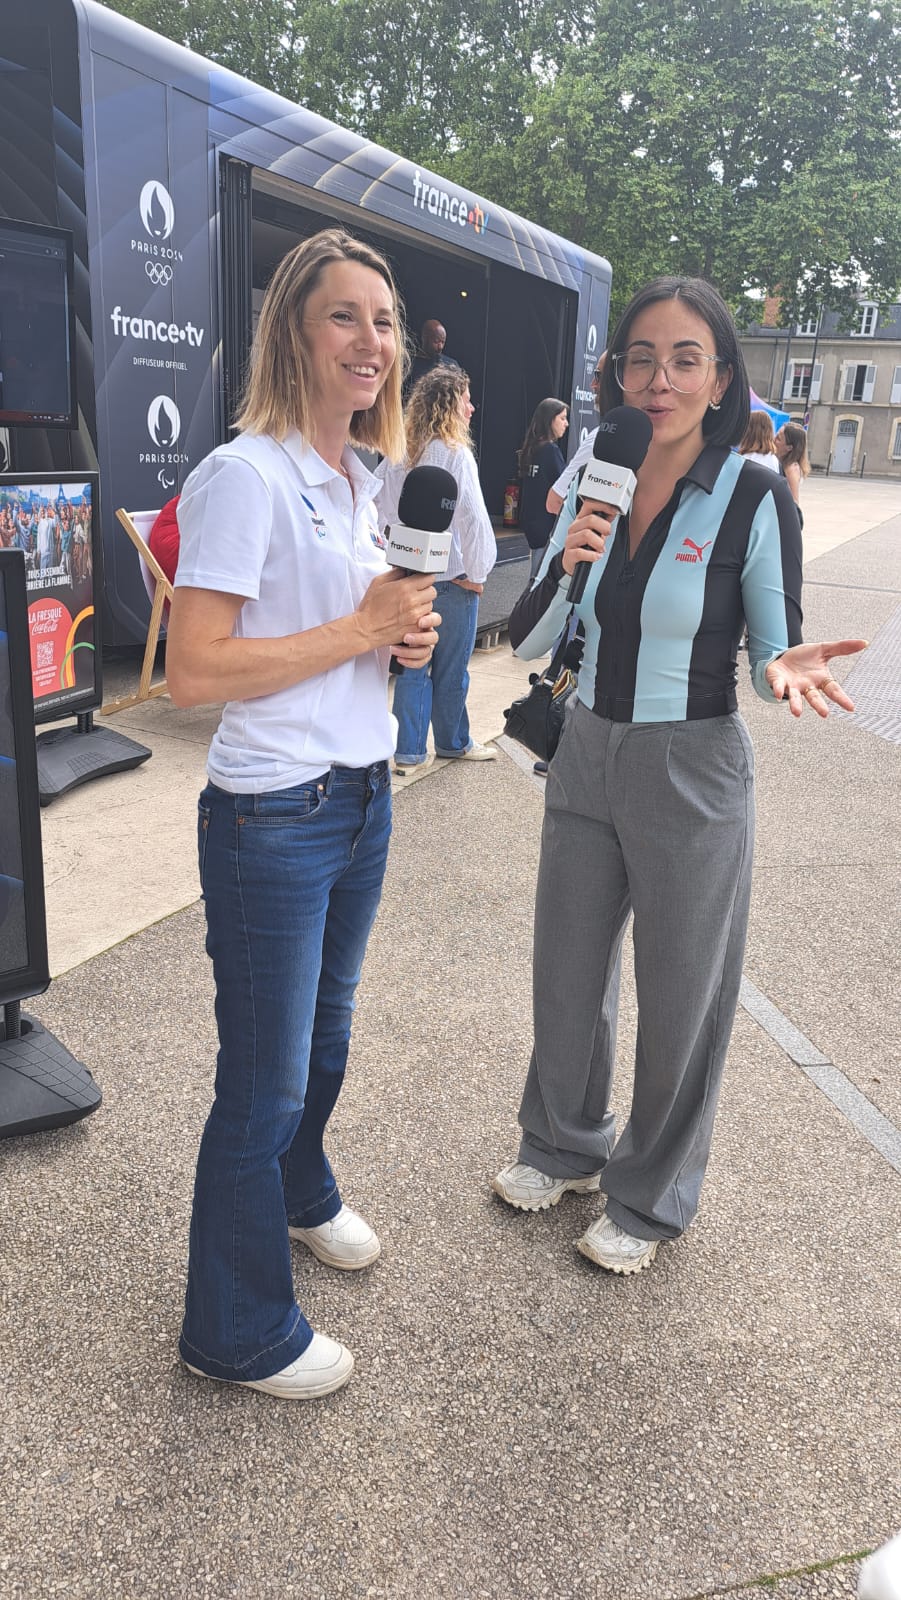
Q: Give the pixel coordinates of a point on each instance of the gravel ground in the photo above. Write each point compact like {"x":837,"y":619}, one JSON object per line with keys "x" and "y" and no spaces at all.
{"x":519,"y":1425}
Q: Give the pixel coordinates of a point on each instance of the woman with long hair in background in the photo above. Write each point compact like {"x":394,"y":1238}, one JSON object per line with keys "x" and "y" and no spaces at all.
{"x":437,"y":431}
{"x":541,"y":462}
{"x":791,"y":449}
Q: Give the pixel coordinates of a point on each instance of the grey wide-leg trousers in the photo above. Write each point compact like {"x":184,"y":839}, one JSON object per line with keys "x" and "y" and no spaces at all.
{"x":656,"y":818}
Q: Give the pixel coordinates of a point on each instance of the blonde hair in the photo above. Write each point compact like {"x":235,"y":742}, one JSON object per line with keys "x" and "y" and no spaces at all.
{"x":278,"y":391}
{"x":433,"y":411}
{"x":759,"y":435}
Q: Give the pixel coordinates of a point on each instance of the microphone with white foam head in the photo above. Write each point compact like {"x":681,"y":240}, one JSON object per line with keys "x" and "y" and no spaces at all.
{"x":609,"y":478}
{"x":420,"y":540}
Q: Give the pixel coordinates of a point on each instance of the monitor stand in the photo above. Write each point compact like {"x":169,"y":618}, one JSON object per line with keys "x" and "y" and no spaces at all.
{"x":41,"y":1085}
{"x":69,"y":756}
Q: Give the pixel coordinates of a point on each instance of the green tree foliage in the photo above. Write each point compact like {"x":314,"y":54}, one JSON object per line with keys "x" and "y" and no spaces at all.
{"x":757,"y":142}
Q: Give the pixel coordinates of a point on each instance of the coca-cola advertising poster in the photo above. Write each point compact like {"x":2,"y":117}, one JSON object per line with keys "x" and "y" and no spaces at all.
{"x":53,"y":521}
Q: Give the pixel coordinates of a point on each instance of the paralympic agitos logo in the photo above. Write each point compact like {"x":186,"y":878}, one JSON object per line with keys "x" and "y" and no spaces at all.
{"x":440,"y":202}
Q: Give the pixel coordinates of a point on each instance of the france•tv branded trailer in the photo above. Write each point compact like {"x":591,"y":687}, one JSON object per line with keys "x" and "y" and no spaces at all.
{"x":182,"y":185}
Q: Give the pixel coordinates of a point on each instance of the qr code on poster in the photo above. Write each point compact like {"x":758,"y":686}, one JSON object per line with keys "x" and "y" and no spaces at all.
{"x":45,"y":653}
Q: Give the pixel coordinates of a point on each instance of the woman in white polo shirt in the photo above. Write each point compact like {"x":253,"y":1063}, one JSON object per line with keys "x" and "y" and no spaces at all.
{"x":285,"y":608}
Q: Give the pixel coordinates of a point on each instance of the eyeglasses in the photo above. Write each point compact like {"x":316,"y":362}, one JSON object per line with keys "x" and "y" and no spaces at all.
{"x":686,"y":372}
{"x":597,"y":376}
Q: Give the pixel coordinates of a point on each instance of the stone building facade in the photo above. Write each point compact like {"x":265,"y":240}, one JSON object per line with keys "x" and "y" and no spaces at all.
{"x":846,"y":384}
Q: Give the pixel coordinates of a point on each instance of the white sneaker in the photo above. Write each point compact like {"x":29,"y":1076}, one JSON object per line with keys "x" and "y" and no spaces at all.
{"x":324,"y":1367}
{"x":477,"y":752}
{"x":410,"y":769}
{"x":347,"y":1241}
{"x":880,"y":1575}
{"x":531,"y":1190}
{"x":613,"y":1248}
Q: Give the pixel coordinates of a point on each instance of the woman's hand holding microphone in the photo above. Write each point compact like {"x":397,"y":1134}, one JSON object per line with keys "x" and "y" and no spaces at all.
{"x":396,"y":610}
{"x":587,"y":536}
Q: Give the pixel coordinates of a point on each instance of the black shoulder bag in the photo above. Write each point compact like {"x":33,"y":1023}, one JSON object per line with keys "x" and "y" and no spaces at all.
{"x":536,"y":720}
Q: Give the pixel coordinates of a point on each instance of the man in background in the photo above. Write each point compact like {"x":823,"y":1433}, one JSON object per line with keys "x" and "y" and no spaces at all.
{"x":432,"y":339}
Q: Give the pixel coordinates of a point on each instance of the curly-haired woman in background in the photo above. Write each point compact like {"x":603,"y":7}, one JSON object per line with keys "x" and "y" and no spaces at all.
{"x":437,"y":424}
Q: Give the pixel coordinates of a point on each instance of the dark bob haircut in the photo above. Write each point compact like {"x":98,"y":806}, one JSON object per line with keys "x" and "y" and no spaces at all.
{"x":727,"y":425}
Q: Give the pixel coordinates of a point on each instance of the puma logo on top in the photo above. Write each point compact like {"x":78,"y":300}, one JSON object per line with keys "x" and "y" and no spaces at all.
{"x":693,"y":552}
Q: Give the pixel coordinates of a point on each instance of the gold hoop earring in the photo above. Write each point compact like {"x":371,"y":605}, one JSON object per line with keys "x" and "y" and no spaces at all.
{"x":714,"y":405}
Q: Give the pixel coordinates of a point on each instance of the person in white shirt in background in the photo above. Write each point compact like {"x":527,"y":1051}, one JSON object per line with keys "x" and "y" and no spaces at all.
{"x":556,"y":495}
{"x":46,"y":538}
{"x":758,"y":442}
{"x":286,"y":609}
{"x":437,"y":424}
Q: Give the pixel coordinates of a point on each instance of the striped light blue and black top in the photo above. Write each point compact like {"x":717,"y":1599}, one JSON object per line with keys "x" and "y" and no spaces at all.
{"x":662,"y":630}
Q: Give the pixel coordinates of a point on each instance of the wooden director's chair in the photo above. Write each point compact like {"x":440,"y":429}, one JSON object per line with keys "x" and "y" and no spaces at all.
{"x":137,"y":525}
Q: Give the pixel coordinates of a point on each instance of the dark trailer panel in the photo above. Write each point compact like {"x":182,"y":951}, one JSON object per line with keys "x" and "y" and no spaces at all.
{"x":183,"y":184}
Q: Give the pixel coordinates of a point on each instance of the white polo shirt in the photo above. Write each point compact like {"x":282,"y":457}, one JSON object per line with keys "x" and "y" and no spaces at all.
{"x":274,"y":522}
{"x":582,"y":456}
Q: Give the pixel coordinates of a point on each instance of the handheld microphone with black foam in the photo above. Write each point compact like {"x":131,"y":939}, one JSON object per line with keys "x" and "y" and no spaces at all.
{"x":419,"y":541}
{"x":609,"y":478}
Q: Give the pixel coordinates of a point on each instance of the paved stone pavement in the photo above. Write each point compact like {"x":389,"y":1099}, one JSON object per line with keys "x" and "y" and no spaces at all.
{"x":519,"y":1426}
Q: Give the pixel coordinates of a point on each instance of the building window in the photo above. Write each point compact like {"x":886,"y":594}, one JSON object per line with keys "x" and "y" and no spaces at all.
{"x":803,"y":381}
{"x":807,"y":330}
{"x":866,"y":325}
{"x":858,"y":381}
{"x":896,"y":441}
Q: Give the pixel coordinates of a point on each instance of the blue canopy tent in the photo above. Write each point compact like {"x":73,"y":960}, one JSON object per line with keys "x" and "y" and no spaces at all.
{"x":777,"y":417}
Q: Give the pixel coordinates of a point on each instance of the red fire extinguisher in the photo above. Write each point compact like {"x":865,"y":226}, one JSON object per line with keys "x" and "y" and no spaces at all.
{"x":511,"y":503}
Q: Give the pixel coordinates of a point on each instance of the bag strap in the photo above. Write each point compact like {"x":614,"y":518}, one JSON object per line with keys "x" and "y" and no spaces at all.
{"x":552,"y":670}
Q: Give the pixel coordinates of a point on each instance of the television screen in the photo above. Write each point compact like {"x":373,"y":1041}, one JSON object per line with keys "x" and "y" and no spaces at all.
{"x":23,"y":935}
{"x":37,"y":384}
{"x":54,"y":522}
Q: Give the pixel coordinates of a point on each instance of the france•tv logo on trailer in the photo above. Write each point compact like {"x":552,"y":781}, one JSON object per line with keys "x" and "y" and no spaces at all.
{"x":439,"y":202}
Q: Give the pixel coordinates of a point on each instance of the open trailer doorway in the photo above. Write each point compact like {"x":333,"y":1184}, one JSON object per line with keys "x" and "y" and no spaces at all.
{"x":512,"y":334}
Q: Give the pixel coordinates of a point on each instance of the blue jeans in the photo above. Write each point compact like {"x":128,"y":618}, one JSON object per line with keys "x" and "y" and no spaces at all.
{"x":291,"y":881}
{"x":437,"y":693}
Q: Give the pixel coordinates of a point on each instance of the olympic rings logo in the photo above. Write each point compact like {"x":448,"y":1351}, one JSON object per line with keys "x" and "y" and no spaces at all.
{"x":158,"y":272}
